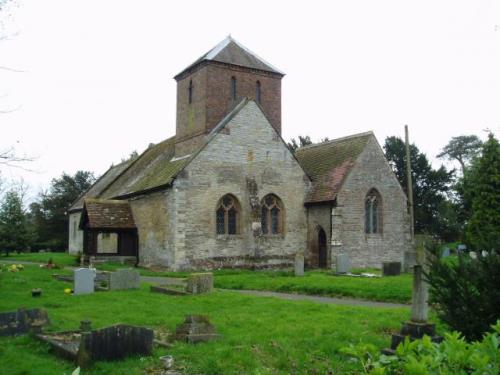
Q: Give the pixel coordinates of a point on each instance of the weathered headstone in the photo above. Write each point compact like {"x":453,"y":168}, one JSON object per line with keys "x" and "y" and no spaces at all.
{"x":22,"y":321}
{"x":342,"y":264}
{"x":391,"y":268}
{"x":446,"y":252}
{"x":106,"y":344}
{"x":461,"y":248}
{"x":299,"y":264}
{"x":124,"y":279}
{"x":83,"y":281}
{"x":198,"y":283}
{"x":196,"y":328}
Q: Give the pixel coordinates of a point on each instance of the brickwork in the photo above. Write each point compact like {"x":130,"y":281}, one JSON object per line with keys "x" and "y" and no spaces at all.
{"x":370,"y":250}
{"x":250,"y":150}
{"x":212,"y":100}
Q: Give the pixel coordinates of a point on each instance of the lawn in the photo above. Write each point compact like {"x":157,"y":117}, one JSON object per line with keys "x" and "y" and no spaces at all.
{"x":260,"y":335}
{"x":322,"y":283}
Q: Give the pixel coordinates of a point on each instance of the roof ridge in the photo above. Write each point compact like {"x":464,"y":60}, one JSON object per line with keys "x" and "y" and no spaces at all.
{"x":370,"y":132}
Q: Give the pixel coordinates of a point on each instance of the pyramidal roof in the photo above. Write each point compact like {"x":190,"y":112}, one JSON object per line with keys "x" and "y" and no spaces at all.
{"x":230,"y":51}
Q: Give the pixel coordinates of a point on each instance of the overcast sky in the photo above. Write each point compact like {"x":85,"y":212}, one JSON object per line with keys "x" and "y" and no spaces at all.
{"x":97,"y":75}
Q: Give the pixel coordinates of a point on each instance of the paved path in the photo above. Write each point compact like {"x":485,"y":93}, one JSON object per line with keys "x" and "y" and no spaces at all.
{"x":262,"y":293}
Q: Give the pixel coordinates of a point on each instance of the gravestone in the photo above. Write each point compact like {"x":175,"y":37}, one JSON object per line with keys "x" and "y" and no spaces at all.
{"x":198,"y":283}
{"x":461,"y":248}
{"x":22,"y":321}
{"x":391,"y":268}
{"x":83,"y":281}
{"x":196,"y":328}
{"x":124,"y":279}
{"x":446,"y":252}
{"x":299,"y":264}
{"x":342,"y":264}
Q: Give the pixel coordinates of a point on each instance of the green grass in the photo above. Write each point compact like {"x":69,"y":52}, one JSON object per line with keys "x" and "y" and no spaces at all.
{"x":260,"y":335}
{"x":63,"y":259}
{"x":388,"y":289}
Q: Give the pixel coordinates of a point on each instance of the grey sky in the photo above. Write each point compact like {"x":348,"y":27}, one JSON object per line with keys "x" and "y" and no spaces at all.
{"x":98,"y":74}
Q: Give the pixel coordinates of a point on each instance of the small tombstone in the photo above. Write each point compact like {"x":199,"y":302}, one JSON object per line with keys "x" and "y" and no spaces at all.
{"x":342,"y":264}
{"x":473,"y":255}
{"x":196,"y":328}
{"x":83,"y":282}
{"x":446,"y":252}
{"x":124,"y":279}
{"x":299,"y":264}
{"x":198,"y":283}
{"x":461,"y":248}
{"x":22,"y":321}
{"x":391,"y":268}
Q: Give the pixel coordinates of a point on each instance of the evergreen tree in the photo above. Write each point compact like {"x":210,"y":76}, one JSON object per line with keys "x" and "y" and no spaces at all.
{"x":14,"y":232}
{"x":482,"y":190}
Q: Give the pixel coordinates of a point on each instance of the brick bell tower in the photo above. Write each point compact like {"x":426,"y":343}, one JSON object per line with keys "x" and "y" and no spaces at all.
{"x":209,"y":88}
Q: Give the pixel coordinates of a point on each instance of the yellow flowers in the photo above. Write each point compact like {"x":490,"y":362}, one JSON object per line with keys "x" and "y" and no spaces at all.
{"x":15,"y":268}
{"x":67,"y":291}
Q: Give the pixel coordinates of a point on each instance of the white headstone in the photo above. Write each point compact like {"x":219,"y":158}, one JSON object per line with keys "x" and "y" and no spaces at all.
{"x":342,"y":264}
{"x":83,"y":281}
{"x":299,"y":264}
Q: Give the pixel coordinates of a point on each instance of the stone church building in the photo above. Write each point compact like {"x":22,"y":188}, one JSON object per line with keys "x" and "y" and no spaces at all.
{"x":226,"y":191}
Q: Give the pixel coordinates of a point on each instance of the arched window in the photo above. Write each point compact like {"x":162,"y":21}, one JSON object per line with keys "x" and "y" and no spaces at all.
{"x":228,"y":215}
{"x":373,"y":212}
{"x":257,"y":92}
{"x":271,"y":215}
{"x":233,"y":88}
{"x":190,"y":92}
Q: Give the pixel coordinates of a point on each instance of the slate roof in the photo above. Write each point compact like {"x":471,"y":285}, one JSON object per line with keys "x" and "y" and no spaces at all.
{"x":329,"y":163}
{"x":107,"y":214}
{"x":230,"y":51}
{"x":95,"y":190}
{"x":154,"y":168}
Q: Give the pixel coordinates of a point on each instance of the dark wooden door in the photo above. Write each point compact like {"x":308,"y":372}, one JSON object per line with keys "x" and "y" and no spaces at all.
{"x":127,"y":244}
{"x":322,"y":252}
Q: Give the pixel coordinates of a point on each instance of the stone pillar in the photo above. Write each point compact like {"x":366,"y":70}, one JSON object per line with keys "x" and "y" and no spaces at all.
{"x":336,"y":231}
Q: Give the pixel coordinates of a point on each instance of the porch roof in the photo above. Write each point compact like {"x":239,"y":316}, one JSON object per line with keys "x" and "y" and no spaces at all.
{"x":106,"y":214}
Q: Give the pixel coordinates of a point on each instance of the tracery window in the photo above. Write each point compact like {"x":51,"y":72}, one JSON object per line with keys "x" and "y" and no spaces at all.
{"x":271,"y":215}
{"x":373,"y":212}
{"x":228,"y":215}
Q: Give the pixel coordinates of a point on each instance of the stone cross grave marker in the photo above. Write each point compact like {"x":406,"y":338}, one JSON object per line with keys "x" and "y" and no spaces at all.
{"x":299,"y":264}
{"x":83,"y":281}
{"x":124,"y":279}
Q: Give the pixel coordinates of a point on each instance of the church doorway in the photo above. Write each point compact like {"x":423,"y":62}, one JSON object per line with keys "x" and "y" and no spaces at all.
{"x":322,"y":252}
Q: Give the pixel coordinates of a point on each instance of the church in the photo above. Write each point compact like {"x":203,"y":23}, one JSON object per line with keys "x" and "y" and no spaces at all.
{"x":226,"y":192}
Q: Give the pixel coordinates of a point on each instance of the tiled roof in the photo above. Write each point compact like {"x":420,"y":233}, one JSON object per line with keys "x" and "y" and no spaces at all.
{"x":329,"y":163}
{"x":230,"y":51}
{"x":107,"y":214}
{"x":155,"y":167}
{"x":95,"y":190}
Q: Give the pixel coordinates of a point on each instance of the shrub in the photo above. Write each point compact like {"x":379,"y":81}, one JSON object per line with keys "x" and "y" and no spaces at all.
{"x":465,"y":293}
{"x":453,"y":356}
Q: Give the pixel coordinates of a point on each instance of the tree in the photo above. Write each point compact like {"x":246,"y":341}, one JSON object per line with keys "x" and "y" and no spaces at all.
{"x":482,"y":191}
{"x":303,"y":141}
{"x":14,"y":232}
{"x":49,"y":215}
{"x":462,"y":149}
{"x":430,"y":187}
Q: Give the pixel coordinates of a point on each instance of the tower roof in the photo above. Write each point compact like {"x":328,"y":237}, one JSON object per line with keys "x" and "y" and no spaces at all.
{"x":230,"y":51}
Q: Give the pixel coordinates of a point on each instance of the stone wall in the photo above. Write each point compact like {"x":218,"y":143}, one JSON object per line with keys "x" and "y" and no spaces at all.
{"x":248,"y":152}
{"x":107,"y":243}
{"x":318,"y":216}
{"x":154,"y":222}
{"x":370,"y":250}
{"x":75,"y":235}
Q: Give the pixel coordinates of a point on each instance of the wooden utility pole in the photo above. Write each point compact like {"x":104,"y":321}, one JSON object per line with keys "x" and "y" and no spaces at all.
{"x":409,"y":182}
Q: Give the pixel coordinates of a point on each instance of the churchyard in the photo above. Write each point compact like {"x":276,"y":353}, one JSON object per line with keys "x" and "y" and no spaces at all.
{"x":259,"y":335}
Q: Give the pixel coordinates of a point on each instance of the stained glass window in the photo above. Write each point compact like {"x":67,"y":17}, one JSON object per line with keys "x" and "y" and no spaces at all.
{"x":227,"y":215}
{"x":271,"y":215}
{"x":372,"y":213}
